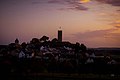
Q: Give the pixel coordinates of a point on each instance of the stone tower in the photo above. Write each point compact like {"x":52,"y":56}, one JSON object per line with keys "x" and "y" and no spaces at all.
{"x":60,"y":35}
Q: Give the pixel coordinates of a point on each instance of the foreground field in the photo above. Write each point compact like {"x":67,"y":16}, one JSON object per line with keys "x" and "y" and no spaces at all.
{"x":61,"y":76}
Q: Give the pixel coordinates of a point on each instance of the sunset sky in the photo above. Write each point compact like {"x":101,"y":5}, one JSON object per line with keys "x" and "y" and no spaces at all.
{"x":96,"y":23}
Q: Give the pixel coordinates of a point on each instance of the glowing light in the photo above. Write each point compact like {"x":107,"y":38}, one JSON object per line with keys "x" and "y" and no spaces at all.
{"x":84,"y":1}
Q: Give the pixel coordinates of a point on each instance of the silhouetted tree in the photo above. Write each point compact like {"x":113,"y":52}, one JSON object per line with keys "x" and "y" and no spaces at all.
{"x":35,"y":43}
{"x":44,"y":38}
{"x":77,"y":47}
{"x":83,"y":47}
{"x":54,"y":40}
{"x":16,"y":41}
{"x":66,"y":43}
{"x":23,"y":45}
{"x":12,"y":46}
{"x":34,"y":40}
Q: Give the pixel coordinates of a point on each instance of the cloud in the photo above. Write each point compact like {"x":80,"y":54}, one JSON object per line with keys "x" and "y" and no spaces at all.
{"x":55,"y":1}
{"x":93,"y":34}
{"x":72,"y":4}
{"x":64,"y":1}
{"x":79,"y":7}
{"x":38,"y":1}
{"x":99,"y":37}
{"x":118,"y":10}
{"x":112,"y":2}
{"x":116,"y":24}
{"x":116,"y":35}
{"x":84,"y":1}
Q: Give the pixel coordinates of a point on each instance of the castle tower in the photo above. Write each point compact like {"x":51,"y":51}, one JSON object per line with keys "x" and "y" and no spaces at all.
{"x":60,"y":35}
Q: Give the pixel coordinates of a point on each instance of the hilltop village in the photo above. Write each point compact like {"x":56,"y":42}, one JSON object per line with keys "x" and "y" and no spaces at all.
{"x":43,"y":55}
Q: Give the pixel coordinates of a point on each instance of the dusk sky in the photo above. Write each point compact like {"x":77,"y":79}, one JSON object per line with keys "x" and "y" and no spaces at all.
{"x":96,"y":23}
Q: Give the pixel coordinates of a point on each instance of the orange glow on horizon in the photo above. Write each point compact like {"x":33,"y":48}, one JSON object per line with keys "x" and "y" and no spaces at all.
{"x":84,"y":1}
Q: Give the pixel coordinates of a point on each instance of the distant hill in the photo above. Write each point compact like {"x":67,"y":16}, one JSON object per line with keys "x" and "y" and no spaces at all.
{"x":105,"y":48}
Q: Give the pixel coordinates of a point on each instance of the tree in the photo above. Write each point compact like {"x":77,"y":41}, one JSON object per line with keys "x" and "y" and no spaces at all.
{"x":54,"y":40}
{"x":77,"y":47}
{"x":34,"y":40}
{"x":44,"y":38}
{"x":83,"y":47}
{"x":23,"y":45}
{"x":16,"y":41}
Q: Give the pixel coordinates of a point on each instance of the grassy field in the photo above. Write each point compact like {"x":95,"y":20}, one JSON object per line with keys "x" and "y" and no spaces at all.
{"x":61,"y":76}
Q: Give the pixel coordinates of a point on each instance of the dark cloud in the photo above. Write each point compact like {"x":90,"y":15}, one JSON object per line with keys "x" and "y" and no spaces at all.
{"x":112,"y":2}
{"x":55,"y":1}
{"x":118,"y":10}
{"x":38,"y":1}
{"x":117,"y":26}
{"x":64,"y":1}
{"x":72,"y":4}
{"x":79,"y":8}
